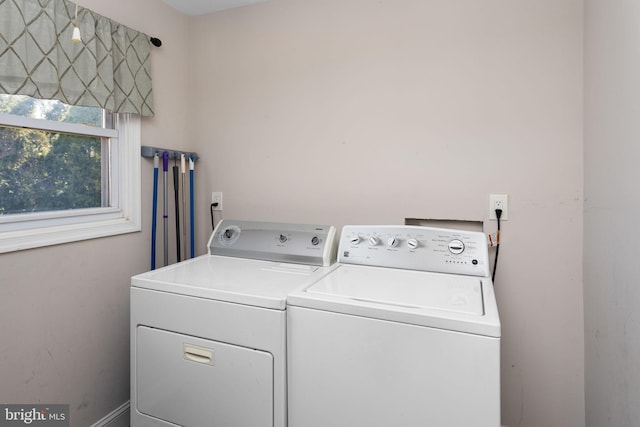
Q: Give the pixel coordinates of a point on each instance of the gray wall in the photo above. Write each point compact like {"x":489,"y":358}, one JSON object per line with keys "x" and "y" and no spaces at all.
{"x":343,"y":111}
{"x":355,"y":111}
{"x":64,"y":310}
{"x":612,"y":209}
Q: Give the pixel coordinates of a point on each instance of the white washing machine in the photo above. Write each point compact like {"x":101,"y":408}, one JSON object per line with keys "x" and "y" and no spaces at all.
{"x":404,"y":332}
{"x":208,"y":335}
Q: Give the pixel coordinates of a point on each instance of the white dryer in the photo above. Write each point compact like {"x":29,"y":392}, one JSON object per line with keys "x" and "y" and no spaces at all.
{"x":404,"y":332}
{"x":208,"y":335}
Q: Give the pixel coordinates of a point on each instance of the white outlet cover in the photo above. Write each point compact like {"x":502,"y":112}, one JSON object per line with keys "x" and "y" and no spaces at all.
{"x":216,"y":197}
{"x":504,"y":198}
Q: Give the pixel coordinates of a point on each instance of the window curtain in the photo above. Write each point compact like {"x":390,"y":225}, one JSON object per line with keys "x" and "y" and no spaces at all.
{"x":110,"y":68}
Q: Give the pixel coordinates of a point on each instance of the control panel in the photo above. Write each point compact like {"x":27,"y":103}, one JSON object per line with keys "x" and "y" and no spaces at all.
{"x":410,"y":247}
{"x":293,"y":243}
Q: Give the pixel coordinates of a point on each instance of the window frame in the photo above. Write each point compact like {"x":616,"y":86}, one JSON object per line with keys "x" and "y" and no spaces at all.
{"x":32,"y":230}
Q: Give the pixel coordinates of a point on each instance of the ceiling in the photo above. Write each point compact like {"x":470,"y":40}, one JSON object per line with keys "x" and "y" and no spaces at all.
{"x":201,"y":7}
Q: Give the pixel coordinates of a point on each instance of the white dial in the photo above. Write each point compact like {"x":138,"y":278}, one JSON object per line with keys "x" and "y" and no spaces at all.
{"x":354,"y":240}
{"x":456,"y":246}
{"x":373,"y":240}
{"x":393,"y":241}
{"x":412,"y":243}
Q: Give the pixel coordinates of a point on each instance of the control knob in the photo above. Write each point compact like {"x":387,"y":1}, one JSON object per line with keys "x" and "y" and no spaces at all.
{"x":228,"y":233}
{"x":354,"y":240}
{"x":456,"y":246}
{"x":373,"y":241}
{"x":315,"y":240}
{"x":283,"y":238}
{"x":412,"y":243}
{"x":393,"y":242}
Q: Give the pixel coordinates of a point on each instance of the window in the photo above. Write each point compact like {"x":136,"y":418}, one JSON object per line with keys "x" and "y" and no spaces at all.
{"x":66,"y":173}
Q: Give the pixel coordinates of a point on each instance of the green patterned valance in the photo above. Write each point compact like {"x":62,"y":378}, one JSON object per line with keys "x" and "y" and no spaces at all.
{"x":110,"y":68}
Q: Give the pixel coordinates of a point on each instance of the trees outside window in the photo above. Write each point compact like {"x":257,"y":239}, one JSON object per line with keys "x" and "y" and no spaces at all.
{"x":60,"y":161}
{"x":45,"y":171}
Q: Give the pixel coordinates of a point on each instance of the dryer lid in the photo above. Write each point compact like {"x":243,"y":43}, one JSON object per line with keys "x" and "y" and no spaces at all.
{"x":236,"y":280}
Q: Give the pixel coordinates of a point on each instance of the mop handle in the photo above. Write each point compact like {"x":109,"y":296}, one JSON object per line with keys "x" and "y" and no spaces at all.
{"x":156,"y":164}
{"x":183,"y":205}
{"x":165,"y":216}
{"x":191,"y":230}
{"x":176,"y":202}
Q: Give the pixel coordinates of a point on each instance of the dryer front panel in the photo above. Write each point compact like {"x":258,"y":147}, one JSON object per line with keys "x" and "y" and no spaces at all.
{"x":190,"y":381}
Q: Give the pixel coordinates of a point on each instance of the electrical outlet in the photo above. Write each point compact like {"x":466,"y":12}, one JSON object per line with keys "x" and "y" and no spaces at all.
{"x":216,"y":197}
{"x":499,"y":201}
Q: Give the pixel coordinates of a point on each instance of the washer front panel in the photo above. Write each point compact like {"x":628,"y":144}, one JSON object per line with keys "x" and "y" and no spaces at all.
{"x":348,"y":371}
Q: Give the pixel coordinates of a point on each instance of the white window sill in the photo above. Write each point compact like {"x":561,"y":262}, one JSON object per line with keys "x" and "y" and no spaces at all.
{"x":27,"y":239}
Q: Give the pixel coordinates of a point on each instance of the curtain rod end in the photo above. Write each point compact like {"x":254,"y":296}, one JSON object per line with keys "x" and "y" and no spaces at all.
{"x":156,"y":42}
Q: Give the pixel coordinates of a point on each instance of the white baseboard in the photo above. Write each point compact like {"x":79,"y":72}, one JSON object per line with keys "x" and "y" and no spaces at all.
{"x":119,"y":417}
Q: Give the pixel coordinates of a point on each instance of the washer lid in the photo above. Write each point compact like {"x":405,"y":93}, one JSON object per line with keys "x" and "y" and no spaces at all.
{"x":446,"y":301}
{"x":237,"y":280}
{"x":411,"y":289}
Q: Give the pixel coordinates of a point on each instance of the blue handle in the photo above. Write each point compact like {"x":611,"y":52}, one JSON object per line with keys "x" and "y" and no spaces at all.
{"x":154,"y":219}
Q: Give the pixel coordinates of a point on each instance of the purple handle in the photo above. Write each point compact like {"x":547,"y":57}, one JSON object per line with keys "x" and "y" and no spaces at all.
{"x":165,"y":161}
